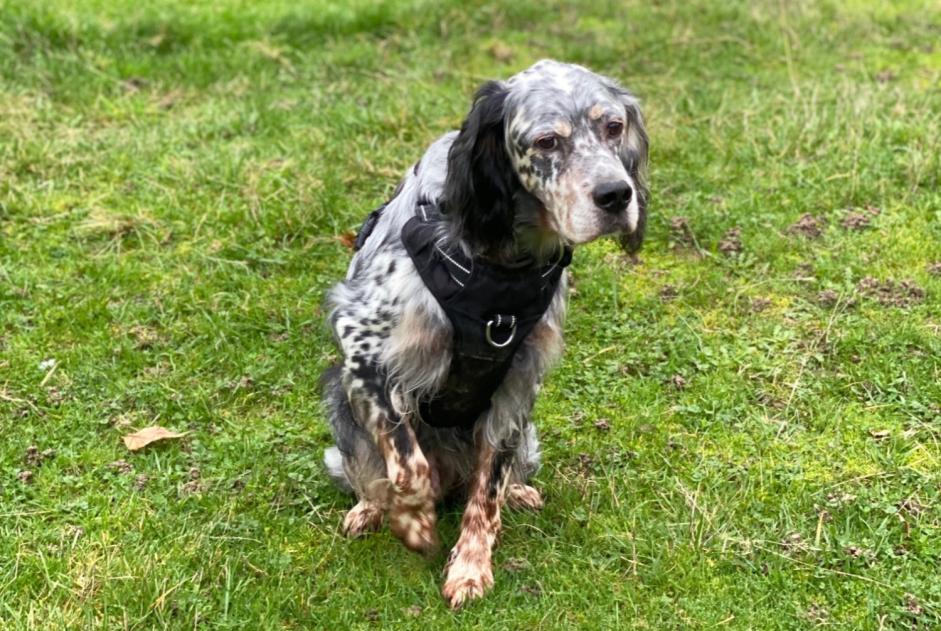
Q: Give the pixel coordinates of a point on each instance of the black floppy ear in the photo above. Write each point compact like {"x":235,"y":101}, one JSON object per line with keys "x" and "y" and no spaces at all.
{"x":634,"y":156}
{"x":481,"y":182}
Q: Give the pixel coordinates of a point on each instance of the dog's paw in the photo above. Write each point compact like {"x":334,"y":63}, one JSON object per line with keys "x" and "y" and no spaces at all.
{"x":415,"y":526}
{"x":362,"y":518}
{"x":466,"y":579}
{"x":411,"y":516}
{"x":524,"y":497}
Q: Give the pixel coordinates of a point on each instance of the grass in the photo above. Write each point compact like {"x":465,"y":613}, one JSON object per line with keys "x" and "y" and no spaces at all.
{"x":172,"y":179}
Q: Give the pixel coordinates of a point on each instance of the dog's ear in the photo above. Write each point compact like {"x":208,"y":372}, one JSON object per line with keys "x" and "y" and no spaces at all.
{"x":481,"y":182}
{"x":634,"y":156}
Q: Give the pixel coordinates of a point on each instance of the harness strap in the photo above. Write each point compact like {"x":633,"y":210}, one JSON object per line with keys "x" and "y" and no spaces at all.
{"x":492,"y":309}
{"x":369,"y":224}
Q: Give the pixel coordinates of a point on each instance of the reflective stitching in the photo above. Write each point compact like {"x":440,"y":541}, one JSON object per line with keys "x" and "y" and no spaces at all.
{"x":449,"y":258}
{"x":556,"y":264}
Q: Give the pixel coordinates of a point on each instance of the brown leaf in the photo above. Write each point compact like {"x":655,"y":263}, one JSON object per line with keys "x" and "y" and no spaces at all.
{"x":139,"y":440}
{"x":347,"y":239}
{"x":879,"y":434}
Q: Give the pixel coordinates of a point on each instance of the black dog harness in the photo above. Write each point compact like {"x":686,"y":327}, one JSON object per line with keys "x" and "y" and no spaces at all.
{"x":491,"y":308}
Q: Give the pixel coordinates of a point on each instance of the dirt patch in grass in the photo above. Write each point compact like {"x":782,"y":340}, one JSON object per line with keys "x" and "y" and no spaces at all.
{"x":794,"y":542}
{"x":668,"y":293}
{"x":514,"y":564}
{"x":885,"y":76}
{"x":105,"y":223}
{"x":731,"y":242}
{"x":121,"y":466}
{"x":144,"y":336}
{"x":817,"y":615}
{"x":859,"y":219}
{"x":912,"y":606}
{"x":804,"y":271}
{"x":584,"y":465}
{"x":890,"y":293}
{"x":532,"y":590}
{"x":35,"y":458}
{"x":809,"y":226}
{"x":827,"y":298}
{"x":681,"y":233}
{"x":196,"y":485}
{"x":760,"y":304}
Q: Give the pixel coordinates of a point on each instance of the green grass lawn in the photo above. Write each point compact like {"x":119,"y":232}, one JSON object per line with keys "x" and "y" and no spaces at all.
{"x":743,"y":434}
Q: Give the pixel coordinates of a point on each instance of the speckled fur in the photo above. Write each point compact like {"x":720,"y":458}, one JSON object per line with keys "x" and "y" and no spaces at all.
{"x":505,"y":196}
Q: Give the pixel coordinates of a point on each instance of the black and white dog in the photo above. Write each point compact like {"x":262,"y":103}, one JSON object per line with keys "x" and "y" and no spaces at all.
{"x":452,"y":309}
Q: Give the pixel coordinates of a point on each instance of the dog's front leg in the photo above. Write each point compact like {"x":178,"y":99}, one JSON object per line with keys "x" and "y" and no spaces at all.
{"x":407,"y":493}
{"x":410,"y":497}
{"x":469,"y":573}
{"x":498,"y":438}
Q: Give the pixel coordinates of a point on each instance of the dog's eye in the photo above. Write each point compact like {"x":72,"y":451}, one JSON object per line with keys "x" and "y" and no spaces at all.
{"x":614,"y":129}
{"x":547,"y":142}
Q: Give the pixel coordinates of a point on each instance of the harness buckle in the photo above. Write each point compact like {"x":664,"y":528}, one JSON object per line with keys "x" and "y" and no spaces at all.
{"x":499,"y":323}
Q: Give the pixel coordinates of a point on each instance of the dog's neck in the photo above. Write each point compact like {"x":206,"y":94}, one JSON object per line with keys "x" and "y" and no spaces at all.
{"x":532,"y":240}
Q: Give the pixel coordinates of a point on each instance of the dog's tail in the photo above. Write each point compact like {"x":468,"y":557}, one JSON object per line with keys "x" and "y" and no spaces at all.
{"x":333,"y":461}
{"x":341,"y":420}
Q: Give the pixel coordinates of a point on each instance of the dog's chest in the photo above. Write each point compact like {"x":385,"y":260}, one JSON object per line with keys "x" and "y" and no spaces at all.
{"x":492,"y":309}
{"x":452,"y":371}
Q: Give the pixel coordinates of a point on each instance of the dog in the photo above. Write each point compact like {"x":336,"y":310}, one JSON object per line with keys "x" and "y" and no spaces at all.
{"x":452,"y":309}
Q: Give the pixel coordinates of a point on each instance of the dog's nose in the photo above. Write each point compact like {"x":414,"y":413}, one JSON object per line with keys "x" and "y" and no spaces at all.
{"x":612,"y":196}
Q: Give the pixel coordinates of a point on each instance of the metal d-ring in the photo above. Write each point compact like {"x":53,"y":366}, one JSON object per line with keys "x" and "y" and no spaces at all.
{"x":499,"y":322}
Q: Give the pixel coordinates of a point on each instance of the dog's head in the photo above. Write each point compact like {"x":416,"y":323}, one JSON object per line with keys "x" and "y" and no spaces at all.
{"x":558,"y":138}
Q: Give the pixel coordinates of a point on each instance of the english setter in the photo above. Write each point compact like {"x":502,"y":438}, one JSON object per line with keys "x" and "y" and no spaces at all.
{"x":452,"y":309}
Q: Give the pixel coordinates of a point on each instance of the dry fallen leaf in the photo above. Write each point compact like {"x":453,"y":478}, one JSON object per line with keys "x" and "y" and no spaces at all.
{"x":139,"y":440}
{"x":347,"y":239}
